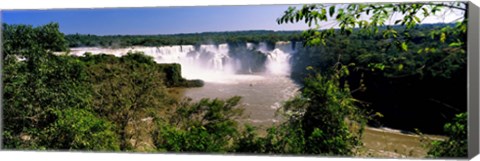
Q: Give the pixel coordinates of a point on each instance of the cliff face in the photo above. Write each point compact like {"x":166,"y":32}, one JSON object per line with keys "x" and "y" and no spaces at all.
{"x":173,"y":76}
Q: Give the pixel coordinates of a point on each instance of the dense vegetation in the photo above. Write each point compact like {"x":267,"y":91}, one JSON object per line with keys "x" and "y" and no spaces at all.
{"x":397,"y":67}
{"x":102,"y":102}
{"x":83,"y":103}
{"x":456,"y":144}
{"x":233,"y":38}
{"x":411,"y":91}
{"x":107,"y":103}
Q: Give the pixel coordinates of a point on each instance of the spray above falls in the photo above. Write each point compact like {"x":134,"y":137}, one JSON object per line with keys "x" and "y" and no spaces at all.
{"x":222,"y":63}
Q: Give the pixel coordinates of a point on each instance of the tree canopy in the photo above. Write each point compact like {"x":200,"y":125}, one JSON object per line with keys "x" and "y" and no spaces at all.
{"x":444,"y":60}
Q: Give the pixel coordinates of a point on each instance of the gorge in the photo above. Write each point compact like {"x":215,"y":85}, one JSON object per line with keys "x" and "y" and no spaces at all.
{"x":259,"y":73}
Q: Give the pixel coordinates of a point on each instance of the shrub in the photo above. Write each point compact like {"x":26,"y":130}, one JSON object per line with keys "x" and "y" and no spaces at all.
{"x":456,"y":144}
{"x":80,"y":129}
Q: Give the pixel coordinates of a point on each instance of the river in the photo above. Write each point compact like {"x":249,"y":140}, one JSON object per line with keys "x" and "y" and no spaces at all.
{"x":257,"y":73}
{"x":263,"y":88}
{"x":261,"y":95}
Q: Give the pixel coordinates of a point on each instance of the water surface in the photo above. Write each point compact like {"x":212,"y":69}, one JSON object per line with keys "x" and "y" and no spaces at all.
{"x":261,"y":95}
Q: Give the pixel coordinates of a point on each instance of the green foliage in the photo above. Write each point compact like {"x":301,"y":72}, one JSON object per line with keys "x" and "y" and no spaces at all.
{"x":248,"y":141}
{"x":194,"y":139}
{"x":349,"y":16}
{"x":323,"y":120}
{"x":23,"y":40}
{"x":329,"y":117}
{"x":79,"y":103}
{"x":117,"y":41}
{"x":403,"y":67}
{"x":192,"y":83}
{"x":123,"y":88}
{"x":456,"y":144}
{"x":171,"y":73}
{"x":349,"y":19}
{"x":39,"y":83}
{"x":80,"y":129}
{"x":286,"y":139}
{"x":205,"y":126}
{"x":281,"y":139}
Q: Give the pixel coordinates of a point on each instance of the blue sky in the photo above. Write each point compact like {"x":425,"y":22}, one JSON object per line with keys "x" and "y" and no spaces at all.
{"x":169,"y":20}
{"x":159,"y":20}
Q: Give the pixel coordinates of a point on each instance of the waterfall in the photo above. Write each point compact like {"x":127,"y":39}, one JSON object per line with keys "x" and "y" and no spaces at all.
{"x":213,"y":63}
{"x":278,"y":62}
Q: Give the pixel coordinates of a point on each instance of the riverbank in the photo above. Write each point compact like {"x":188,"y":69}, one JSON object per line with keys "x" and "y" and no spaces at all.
{"x":391,"y":143}
{"x":377,"y":142}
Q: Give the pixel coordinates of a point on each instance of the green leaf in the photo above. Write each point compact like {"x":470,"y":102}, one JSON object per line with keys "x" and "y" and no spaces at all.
{"x":455,"y":44}
{"x":379,"y":114}
{"x":417,"y":19}
{"x":385,"y":33}
{"x":397,"y":21}
{"x":420,"y":51}
{"x":324,"y":11}
{"x":425,"y":12}
{"x":340,"y":13}
{"x":443,"y":37}
{"x":332,"y":10}
{"x":404,"y":46}
{"x":315,"y":41}
{"x":400,"y":67}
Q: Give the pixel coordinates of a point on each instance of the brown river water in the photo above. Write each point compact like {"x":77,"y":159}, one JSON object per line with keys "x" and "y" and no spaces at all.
{"x":263,"y":95}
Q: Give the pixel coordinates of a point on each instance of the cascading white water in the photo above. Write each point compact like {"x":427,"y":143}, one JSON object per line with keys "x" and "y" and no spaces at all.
{"x":278,"y":62}
{"x":210,"y":63}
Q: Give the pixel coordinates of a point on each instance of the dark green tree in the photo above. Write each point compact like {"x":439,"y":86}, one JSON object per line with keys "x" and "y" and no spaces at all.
{"x":204,"y":126}
{"x":370,"y":18}
{"x":456,"y":144}
{"x":80,"y":129}
{"x":38,"y":86}
{"x":126,"y":90}
{"x":395,"y":58}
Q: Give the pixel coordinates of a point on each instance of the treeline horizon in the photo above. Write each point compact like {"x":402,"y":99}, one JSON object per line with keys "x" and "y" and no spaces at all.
{"x":220,"y":37}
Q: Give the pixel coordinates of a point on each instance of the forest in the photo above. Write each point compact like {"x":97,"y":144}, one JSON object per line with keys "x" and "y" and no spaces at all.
{"x":350,"y":78}
{"x":233,"y":38}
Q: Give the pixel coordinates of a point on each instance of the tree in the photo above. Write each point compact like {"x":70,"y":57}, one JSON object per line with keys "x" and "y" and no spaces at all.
{"x":80,"y":129}
{"x":286,"y":138}
{"x":38,"y":86}
{"x":456,"y":144}
{"x":204,"y":126}
{"x":370,"y":18}
{"x":324,"y":119}
{"x":375,"y":18}
{"x":126,"y":90}
{"x":328,"y":115}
